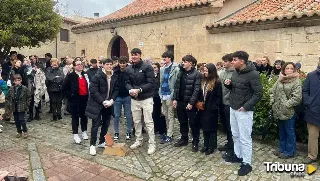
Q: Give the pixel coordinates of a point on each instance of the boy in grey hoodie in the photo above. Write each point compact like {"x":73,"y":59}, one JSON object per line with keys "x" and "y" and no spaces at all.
{"x":225,"y":108}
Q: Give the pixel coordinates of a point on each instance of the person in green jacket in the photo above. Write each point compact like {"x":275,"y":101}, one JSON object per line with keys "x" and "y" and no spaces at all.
{"x":284,"y":96}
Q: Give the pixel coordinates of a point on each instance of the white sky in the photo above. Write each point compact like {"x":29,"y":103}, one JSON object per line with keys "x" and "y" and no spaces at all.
{"x":88,"y":7}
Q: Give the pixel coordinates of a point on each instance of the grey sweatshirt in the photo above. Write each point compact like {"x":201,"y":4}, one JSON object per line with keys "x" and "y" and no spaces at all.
{"x":226,"y":74}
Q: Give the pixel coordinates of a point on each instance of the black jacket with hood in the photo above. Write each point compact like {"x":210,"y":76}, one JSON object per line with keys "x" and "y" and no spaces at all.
{"x":246,"y":88}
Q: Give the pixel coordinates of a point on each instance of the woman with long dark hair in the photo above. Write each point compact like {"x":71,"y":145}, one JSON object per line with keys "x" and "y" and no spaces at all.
{"x":284,"y":96}
{"x":159,"y":124}
{"x":76,"y":89}
{"x":211,"y":89}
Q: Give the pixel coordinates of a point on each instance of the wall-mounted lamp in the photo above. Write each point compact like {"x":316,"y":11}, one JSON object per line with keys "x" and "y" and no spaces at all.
{"x":112,"y":29}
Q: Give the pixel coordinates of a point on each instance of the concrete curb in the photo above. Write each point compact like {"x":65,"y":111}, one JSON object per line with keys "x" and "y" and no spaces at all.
{"x":35,"y":161}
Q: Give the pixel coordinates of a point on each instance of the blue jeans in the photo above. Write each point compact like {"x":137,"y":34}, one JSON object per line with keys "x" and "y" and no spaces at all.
{"x":126,"y":102}
{"x":287,"y":136}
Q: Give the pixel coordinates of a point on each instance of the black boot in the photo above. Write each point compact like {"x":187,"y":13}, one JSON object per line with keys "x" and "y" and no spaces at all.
{"x":195,"y":148}
{"x":30,"y":118}
{"x":37,"y":115}
{"x":54,"y":118}
{"x":59,"y":117}
{"x":204,"y":149}
{"x":212,"y":143}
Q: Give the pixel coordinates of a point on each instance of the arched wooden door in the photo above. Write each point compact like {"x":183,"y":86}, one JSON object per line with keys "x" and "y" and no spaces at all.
{"x":119,"y":48}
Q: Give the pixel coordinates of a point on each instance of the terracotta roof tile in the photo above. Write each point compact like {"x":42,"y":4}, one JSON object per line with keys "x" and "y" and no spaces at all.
{"x":264,"y":10}
{"x":70,"y":20}
{"x":144,"y":7}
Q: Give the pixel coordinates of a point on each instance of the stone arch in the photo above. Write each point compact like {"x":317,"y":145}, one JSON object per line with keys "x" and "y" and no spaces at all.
{"x":118,"y":47}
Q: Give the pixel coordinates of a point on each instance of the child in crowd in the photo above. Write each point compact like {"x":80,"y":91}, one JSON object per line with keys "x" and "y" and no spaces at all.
{"x":18,"y":100}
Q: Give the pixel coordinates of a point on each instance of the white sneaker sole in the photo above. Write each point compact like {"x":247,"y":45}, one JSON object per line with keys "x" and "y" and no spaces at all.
{"x":135,"y":147}
{"x":150,"y":153}
{"x":77,"y":142}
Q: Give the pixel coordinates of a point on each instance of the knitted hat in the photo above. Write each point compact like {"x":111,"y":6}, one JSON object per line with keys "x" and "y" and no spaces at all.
{"x":277,"y":62}
{"x":298,"y":65}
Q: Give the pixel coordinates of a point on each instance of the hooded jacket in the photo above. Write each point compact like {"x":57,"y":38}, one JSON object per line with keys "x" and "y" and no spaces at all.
{"x":172,"y":77}
{"x":246,"y":88}
{"x":285,"y":95}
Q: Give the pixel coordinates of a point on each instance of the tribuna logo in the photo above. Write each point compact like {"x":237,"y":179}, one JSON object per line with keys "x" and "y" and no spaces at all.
{"x":293,"y":168}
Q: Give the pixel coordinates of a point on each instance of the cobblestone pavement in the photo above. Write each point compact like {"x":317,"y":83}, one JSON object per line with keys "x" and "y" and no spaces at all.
{"x":167,"y":163}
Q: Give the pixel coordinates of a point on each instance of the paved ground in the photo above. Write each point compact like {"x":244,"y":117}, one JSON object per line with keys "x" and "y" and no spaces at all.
{"x":64,"y":160}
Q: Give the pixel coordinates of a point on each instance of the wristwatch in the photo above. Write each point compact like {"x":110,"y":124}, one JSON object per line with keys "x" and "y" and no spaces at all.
{"x":140,"y":90}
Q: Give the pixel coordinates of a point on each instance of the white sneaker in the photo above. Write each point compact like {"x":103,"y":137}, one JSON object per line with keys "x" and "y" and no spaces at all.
{"x":136,"y":145}
{"x":1,"y":126}
{"x":76,"y":138}
{"x":84,"y":135}
{"x":151,"y":149}
{"x":0,"y":130}
{"x":93,"y":150}
{"x":102,"y":145}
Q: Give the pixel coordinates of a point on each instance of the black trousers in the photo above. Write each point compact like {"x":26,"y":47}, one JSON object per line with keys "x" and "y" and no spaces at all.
{"x":31,"y":105}
{"x":159,"y":124}
{"x":210,"y":139}
{"x":105,"y":114}
{"x":224,"y":112}
{"x":78,"y":109}
{"x":188,"y":118}
{"x":56,"y":103}
{"x":20,"y":122}
{"x":37,"y":109}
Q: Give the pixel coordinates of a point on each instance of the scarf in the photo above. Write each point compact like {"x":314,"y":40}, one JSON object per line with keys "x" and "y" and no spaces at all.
{"x":288,"y":78}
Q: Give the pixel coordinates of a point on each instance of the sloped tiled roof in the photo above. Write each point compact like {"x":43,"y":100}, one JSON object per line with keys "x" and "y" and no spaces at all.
{"x":270,"y":10}
{"x":70,"y":20}
{"x":144,"y":7}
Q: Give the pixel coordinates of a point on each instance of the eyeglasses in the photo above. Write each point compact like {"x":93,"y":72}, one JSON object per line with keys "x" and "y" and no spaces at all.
{"x":79,"y":64}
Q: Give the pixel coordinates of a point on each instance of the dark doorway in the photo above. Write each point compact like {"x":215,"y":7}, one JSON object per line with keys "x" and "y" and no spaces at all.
{"x":119,"y":48}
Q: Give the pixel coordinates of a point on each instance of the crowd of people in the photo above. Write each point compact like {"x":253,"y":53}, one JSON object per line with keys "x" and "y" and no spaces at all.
{"x":151,"y":93}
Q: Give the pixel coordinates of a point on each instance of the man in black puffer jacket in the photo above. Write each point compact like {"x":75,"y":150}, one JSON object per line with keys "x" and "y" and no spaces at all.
{"x":246,"y":92}
{"x":103,"y":91}
{"x":185,"y":97}
{"x":140,"y":84}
